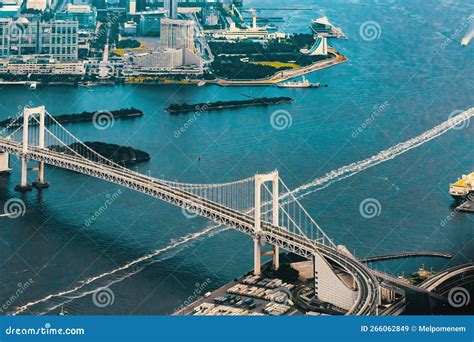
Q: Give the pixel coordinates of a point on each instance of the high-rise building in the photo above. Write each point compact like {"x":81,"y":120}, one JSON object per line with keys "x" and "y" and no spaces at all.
{"x":177,"y":34}
{"x":132,"y":7}
{"x":149,"y":24}
{"x":171,"y":8}
{"x":57,"y":38}
{"x":84,"y":14}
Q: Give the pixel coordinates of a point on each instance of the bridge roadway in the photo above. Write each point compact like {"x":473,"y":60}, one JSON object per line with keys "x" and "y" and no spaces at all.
{"x":438,"y":279}
{"x":368,"y":294}
{"x":400,"y":285}
{"x":437,"y":285}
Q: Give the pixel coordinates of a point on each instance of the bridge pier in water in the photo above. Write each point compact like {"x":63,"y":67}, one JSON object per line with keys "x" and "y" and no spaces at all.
{"x":27,"y":113}
{"x":4,"y":162}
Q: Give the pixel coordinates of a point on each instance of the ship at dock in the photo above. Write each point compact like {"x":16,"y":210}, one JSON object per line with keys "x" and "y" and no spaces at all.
{"x":304,"y":83}
{"x":463,"y":188}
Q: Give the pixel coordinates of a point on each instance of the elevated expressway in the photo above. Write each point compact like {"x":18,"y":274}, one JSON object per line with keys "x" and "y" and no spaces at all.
{"x":368,"y":291}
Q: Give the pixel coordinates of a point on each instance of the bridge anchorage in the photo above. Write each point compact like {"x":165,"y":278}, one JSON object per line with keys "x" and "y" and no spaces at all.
{"x":261,"y":206}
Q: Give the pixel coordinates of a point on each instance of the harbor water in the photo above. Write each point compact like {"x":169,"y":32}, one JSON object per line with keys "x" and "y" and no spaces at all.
{"x":407,"y":72}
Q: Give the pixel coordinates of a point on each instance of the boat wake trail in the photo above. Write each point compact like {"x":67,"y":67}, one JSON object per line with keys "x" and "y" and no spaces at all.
{"x":114,"y":276}
{"x":54,"y":301}
{"x":390,"y":153}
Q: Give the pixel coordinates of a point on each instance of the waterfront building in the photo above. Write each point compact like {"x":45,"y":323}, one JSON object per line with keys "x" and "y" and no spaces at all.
{"x":319,"y":48}
{"x":160,"y":59}
{"x":39,"y":5}
{"x":56,"y":38}
{"x":130,"y":28}
{"x":85,"y":15}
{"x":253,"y":32}
{"x":39,"y":65}
{"x":9,"y":8}
{"x":177,"y":34}
{"x":322,"y":27}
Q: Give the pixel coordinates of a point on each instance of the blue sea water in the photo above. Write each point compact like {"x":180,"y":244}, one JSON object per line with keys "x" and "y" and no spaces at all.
{"x":409,"y":64}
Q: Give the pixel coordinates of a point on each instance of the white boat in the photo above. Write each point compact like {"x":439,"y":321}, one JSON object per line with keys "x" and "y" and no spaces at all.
{"x":33,"y":86}
{"x":304,"y":83}
{"x":201,"y":83}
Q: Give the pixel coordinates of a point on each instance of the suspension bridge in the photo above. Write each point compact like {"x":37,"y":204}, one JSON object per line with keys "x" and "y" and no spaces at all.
{"x":261,"y":206}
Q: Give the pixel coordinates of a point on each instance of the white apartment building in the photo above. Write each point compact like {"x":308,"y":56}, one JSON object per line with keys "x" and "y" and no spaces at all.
{"x":39,"y":65}
{"x":56,"y":38}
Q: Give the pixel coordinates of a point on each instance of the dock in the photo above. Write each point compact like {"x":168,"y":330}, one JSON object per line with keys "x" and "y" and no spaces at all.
{"x":406,"y":255}
{"x":283,"y":75}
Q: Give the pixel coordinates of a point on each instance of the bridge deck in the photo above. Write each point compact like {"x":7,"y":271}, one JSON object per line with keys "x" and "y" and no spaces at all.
{"x":279,"y":236}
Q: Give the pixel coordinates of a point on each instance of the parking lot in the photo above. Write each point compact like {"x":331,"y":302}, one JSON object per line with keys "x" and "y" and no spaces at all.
{"x":249,"y":296}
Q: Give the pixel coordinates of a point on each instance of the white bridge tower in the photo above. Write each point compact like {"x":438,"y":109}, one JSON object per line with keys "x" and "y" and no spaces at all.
{"x":40,"y":183}
{"x":272,"y":178}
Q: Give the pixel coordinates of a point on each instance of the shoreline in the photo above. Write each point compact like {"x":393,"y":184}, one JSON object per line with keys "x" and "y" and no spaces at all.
{"x":270,"y":81}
